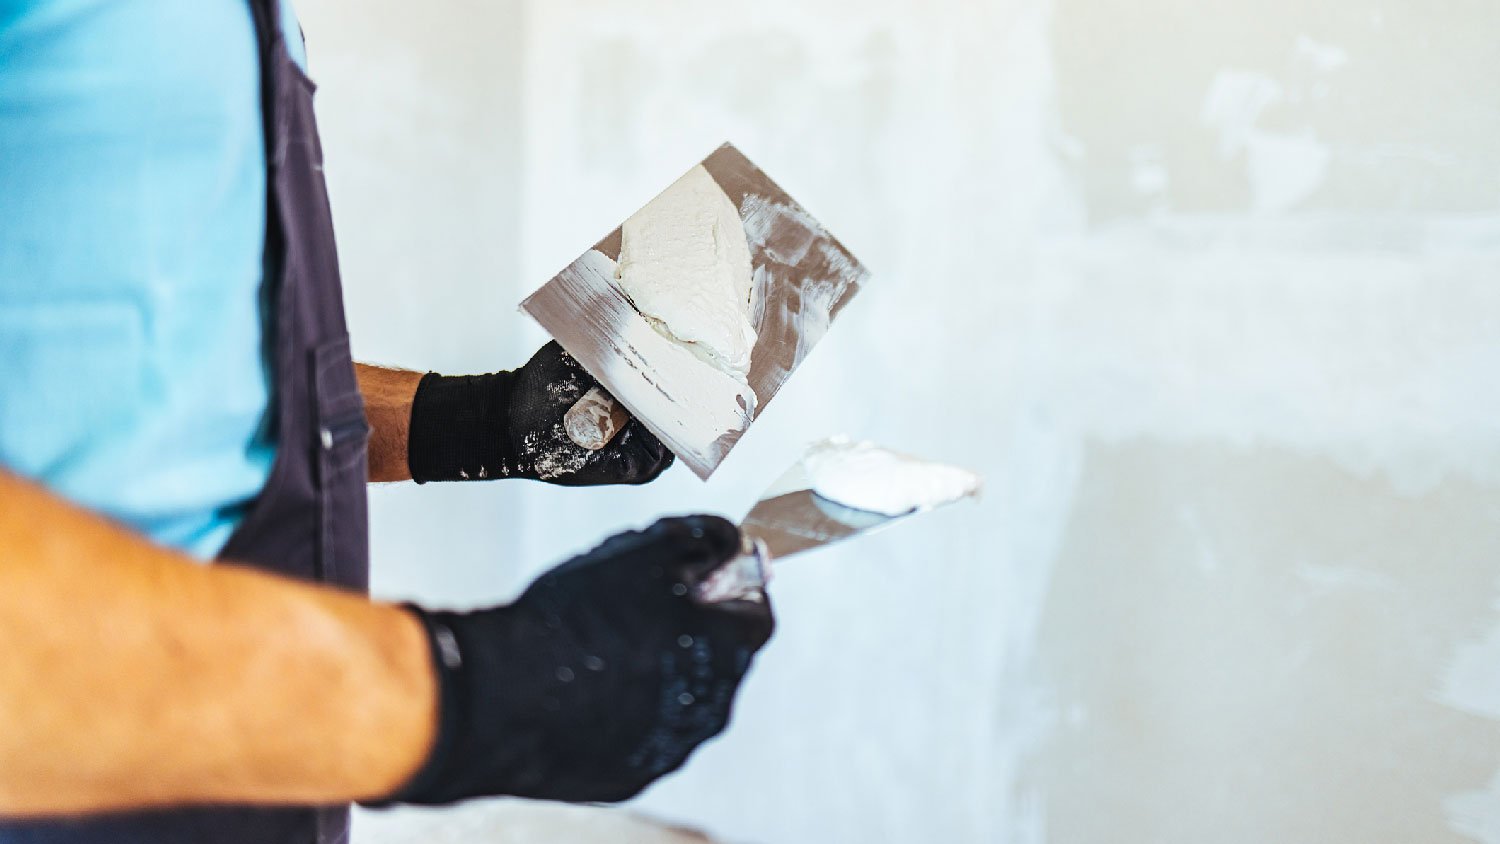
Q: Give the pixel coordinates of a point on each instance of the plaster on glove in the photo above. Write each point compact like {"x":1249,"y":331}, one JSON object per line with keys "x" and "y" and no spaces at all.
{"x":602,"y":677}
{"x":510,"y":425}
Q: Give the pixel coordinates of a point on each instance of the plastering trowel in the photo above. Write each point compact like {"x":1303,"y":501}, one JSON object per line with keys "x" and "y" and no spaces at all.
{"x":801,"y":279}
{"x":792,"y":517}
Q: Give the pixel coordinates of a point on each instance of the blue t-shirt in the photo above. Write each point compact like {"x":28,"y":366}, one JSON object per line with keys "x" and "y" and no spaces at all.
{"x":132,"y":226}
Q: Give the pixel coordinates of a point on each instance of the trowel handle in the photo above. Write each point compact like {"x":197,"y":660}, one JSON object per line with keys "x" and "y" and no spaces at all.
{"x":595,"y":419}
{"x":743,"y":578}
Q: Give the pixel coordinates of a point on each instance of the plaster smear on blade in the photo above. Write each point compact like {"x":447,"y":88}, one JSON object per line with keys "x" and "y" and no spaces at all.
{"x":865,"y":476}
{"x":689,"y":405}
{"x":781,"y":231}
{"x":685,"y":264}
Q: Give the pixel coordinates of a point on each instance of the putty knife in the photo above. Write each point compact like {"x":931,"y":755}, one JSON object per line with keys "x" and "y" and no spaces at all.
{"x":803,"y":279}
{"x":790,"y":518}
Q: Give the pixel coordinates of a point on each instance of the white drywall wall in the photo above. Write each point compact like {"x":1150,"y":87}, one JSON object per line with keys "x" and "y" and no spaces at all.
{"x":1207,"y":290}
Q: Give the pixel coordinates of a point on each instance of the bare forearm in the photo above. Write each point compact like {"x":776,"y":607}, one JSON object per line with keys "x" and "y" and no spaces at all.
{"x":134,"y":677}
{"x":388,"y":395}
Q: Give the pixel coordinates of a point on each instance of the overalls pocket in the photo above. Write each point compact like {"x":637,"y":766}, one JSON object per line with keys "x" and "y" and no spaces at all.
{"x":343,"y":437}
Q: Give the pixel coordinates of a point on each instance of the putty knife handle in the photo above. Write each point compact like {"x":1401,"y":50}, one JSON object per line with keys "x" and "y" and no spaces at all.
{"x":743,"y":578}
{"x":594,"y":420}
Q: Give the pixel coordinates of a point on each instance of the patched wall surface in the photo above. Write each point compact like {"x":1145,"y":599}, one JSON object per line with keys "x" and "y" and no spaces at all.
{"x":1206,"y":290}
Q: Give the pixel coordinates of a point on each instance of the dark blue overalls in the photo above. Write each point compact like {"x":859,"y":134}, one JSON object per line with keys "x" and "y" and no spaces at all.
{"x":309,"y":520}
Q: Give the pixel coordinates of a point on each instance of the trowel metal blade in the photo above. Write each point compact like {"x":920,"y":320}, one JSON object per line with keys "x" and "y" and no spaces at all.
{"x":790,"y":518}
{"x":804,"y":278}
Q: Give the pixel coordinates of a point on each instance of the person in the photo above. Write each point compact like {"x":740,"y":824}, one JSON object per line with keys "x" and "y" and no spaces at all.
{"x":176,"y":389}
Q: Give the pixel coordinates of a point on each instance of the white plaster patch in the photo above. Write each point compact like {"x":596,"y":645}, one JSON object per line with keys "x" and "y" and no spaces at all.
{"x":1471,"y":682}
{"x":1235,"y":101}
{"x":1207,"y":560}
{"x":1148,"y":173}
{"x":1476,"y":814}
{"x":1242,"y":333}
{"x":1322,"y":56}
{"x":1283,"y":167}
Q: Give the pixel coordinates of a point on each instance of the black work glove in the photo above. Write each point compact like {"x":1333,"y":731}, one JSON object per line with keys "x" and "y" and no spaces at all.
{"x":603,"y":676}
{"x":510,"y":425}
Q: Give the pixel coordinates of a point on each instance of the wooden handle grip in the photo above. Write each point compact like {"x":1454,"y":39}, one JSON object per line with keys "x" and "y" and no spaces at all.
{"x":594,"y":420}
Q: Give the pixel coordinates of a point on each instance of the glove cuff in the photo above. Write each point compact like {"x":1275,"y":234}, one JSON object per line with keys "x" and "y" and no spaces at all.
{"x":432,"y":782}
{"x":460,"y":428}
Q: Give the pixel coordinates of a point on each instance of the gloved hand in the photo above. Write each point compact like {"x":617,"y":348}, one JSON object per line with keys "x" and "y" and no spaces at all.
{"x":510,"y":425}
{"x":603,"y":676}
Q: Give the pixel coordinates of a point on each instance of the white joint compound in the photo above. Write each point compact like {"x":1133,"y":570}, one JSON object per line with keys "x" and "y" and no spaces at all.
{"x":865,"y":476}
{"x":686,"y":402}
{"x":685,"y":264}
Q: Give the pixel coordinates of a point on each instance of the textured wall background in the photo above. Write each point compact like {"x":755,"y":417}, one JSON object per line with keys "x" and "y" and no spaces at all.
{"x":1206,"y":289}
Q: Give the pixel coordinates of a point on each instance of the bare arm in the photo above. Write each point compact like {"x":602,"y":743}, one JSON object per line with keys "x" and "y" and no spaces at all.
{"x":133,"y":677}
{"x":388,"y":395}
